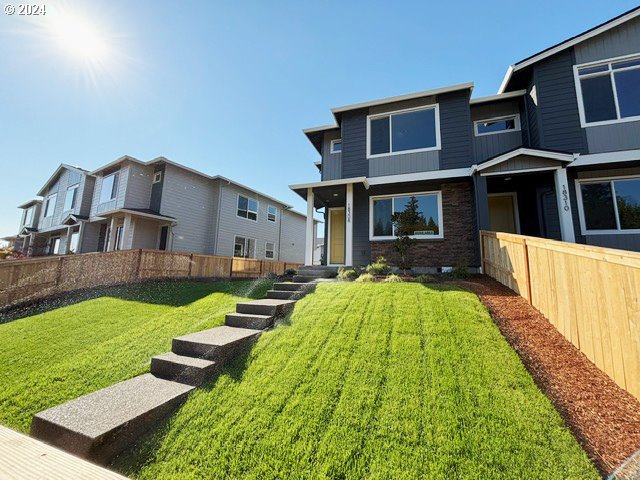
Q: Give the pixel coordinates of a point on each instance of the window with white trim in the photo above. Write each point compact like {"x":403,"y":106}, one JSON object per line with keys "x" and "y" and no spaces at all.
{"x":28,"y":217}
{"x":269,"y":250}
{"x":490,"y":126}
{"x":244,"y":247}
{"x":424,"y":208}
{"x":413,"y":130}
{"x":109,"y":188}
{"x":54,"y":245}
{"x":157,"y":177}
{"x":247,"y":208}
{"x":50,"y":205}
{"x":336,"y":146}
{"x":272,"y":213}
{"x":610,"y":205}
{"x":609,"y":91}
{"x":119,"y":236}
{"x":70,"y":198}
{"x":73,"y":244}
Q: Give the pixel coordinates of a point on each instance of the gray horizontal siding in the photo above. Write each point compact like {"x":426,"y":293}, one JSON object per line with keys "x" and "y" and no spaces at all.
{"x":138,"y":180}
{"x":625,"y":241}
{"x":607,"y":138}
{"x":622,"y":40}
{"x":293,"y":237}
{"x":331,"y":162}
{"x":65,"y":179}
{"x":487,"y":146}
{"x":404,"y":163}
{"x":455,"y":130}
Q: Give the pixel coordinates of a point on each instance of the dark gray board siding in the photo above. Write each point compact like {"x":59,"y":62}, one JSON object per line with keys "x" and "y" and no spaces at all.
{"x":523,"y":162}
{"x":619,"y":41}
{"x":625,"y":241}
{"x":404,"y":163}
{"x":487,"y":146}
{"x":156,"y":190}
{"x":559,"y":121}
{"x":455,"y":130}
{"x":618,"y":136}
{"x":361,"y":245}
{"x":354,"y":144}
{"x":331,"y":162}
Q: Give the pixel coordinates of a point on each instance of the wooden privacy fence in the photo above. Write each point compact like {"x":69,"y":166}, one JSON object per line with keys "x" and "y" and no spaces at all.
{"x":590,"y":294}
{"x":27,"y":280}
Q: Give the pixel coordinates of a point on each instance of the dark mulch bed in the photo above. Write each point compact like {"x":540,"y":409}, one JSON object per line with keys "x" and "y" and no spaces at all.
{"x":604,"y":418}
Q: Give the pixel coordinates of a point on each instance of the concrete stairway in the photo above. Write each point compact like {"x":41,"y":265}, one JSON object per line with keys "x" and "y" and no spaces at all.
{"x":100,"y":425}
{"x":308,"y":273}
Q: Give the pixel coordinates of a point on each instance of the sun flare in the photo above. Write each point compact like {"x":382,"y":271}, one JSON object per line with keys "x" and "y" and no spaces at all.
{"x":78,"y":36}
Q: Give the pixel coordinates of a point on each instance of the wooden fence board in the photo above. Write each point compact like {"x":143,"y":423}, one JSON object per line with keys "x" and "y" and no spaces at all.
{"x":589,"y":294}
{"x":30,"y":279}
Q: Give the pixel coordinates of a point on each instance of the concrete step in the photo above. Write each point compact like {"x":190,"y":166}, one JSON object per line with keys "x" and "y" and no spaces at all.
{"x":291,"y":286}
{"x":303,"y":278}
{"x":187,"y":370}
{"x":247,"y":320}
{"x":318,"y":273}
{"x":285,"y":294}
{"x":266,"y":306}
{"x":219,"y":343}
{"x":318,"y":267}
{"x":102,"y":424}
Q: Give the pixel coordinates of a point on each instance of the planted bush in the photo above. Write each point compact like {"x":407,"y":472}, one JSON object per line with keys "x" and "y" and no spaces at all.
{"x":423,"y":278}
{"x":379,"y":267}
{"x":347,"y":274}
{"x":290,"y":271}
{"x":365,"y":277}
{"x":393,"y":278}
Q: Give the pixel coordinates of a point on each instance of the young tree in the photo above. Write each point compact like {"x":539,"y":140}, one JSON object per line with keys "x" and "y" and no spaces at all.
{"x":405,"y":224}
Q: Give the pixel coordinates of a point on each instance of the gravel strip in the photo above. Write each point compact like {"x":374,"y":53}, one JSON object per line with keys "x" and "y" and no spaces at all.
{"x":604,"y":418}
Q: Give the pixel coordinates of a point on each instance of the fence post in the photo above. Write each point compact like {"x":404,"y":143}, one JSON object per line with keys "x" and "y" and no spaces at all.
{"x":482,"y":251}
{"x":190,"y":265}
{"x":231,"y":268}
{"x":526,"y":270}
{"x":138,"y":264}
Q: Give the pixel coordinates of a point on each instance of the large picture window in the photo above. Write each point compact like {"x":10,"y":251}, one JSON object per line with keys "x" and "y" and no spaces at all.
{"x":610,"y":206}
{"x":610,"y":91}
{"x":424,"y":208}
{"x":404,"y":131}
{"x":247,"y":208}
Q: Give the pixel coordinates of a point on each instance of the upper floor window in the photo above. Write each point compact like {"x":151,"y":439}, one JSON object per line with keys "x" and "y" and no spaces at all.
{"x":272,"y":213}
{"x":413,"y":130}
{"x":609,"y":92}
{"x":28,"y":216}
{"x":509,"y":123}
{"x":336,"y":146}
{"x":70,"y":199}
{"x":50,"y":205}
{"x":109,"y":189}
{"x":247,"y":208}
{"x":424,"y":210}
{"x":610,"y":205}
{"x":157,"y":177}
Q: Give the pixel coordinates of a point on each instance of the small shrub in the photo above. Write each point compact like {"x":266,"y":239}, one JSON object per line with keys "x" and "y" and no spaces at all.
{"x":290,"y":271}
{"x":423,"y":279}
{"x":379,"y":267}
{"x":460,"y":270}
{"x":393,"y":278}
{"x":365,"y":277}
{"x":271,"y":276}
{"x":347,"y":274}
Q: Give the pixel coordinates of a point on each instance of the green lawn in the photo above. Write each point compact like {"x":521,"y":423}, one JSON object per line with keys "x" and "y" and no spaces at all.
{"x":52,"y":357}
{"x":387,"y":381}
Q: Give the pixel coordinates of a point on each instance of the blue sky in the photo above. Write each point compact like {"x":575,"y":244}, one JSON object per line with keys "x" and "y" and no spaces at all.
{"x":226,"y":87}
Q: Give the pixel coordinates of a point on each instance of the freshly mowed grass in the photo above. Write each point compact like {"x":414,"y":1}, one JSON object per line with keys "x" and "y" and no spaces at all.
{"x":369,"y":381}
{"x":52,"y":357}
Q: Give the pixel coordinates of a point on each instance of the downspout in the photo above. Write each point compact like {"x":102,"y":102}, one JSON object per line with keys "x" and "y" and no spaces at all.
{"x":217,"y":236}
{"x":282,"y":210}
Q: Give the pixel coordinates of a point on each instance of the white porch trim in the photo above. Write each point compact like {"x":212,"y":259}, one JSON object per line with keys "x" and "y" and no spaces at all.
{"x":564,"y":205}
{"x":310,"y":233}
{"x":348,"y":216}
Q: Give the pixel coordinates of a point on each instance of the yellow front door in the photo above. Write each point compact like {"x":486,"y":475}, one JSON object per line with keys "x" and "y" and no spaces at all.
{"x":336,"y":236}
{"x":502,"y":213}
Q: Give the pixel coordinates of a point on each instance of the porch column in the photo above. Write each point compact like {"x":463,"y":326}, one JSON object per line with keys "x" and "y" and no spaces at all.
{"x":564,"y":205}
{"x":482,"y":202}
{"x":67,"y":247}
{"x":127,"y":232}
{"x":309,"y":237}
{"x":112,"y":235}
{"x":80,"y":235}
{"x":348,"y":233}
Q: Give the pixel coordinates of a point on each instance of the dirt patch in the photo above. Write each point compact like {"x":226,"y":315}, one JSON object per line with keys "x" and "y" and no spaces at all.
{"x":604,"y":418}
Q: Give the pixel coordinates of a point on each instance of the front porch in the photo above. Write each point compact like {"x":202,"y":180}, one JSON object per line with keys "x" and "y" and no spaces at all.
{"x":126,"y":229}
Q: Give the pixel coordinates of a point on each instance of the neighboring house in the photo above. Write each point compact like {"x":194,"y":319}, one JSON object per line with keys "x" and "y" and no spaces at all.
{"x":555,"y":154}
{"x":164,"y":205}
{"x":318,"y":251}
{"x":55,"y":224}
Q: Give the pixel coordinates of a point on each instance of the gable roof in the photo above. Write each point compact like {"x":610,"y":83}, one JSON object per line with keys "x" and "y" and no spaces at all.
{"x":547,"y":52}
{"x":531,"y":152}
{"x":63,"y":166}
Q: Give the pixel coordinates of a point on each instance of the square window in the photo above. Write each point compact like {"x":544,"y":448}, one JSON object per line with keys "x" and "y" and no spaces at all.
{"x":247,"y":208}
{"x":336,"y":146}
{"x":157,"y":177}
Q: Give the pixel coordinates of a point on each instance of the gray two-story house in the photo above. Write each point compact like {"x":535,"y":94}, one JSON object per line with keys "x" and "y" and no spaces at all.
{"x":555,"y":154}
{"x":159,"y":204}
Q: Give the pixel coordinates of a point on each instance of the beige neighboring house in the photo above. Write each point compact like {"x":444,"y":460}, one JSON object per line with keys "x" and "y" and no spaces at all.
{"x":158,"y":204}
